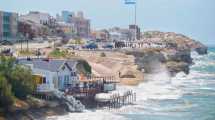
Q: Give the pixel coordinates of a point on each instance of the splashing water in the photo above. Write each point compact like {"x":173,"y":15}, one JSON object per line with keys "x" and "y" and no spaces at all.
{"x":184,"y":97}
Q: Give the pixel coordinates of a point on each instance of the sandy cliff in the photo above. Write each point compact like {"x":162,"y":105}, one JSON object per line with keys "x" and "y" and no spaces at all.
{"x":117,"y":64}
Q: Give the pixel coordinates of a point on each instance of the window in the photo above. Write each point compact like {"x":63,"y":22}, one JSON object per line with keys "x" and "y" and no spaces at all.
{"x":44,"y":80}
{"x":60,"y":82}
{"x":73,"y":74}
{"x":6,"y":34}
{"x":6,"y":19}
{"x":66,"y":80}
{"x":63,"y":68}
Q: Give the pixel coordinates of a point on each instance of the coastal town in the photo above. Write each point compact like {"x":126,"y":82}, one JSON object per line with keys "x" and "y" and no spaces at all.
{"x":77,"y":67}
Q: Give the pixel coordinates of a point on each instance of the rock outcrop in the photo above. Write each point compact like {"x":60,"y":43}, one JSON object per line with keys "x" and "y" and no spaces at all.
{"x":200,"y":48}
{"x":152,"y":62}
{"x":175,"y":41}
{"x":176,"y":56}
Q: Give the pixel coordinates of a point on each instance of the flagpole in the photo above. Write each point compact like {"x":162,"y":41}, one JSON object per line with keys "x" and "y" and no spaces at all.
{"x":133,"y":2}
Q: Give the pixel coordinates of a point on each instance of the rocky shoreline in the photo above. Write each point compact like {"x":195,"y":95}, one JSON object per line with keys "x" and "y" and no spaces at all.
{"x":174,"y":58}
{"x":36,"y":113}
{"x":34,"y":109}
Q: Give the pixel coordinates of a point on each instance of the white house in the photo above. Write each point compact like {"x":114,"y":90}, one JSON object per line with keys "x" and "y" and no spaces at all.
{"x":51,"y":74}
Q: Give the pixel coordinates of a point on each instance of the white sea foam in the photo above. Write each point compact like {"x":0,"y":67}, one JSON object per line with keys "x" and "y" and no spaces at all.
{"x":203,"y":60}
{"x":159,"y":87}
{"x":89,"y":115}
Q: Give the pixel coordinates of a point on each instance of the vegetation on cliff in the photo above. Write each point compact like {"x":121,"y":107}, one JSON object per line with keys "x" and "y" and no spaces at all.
{"x":57,"y":53}
{"x":84,"y":67}
{"x":178,"y":41}
{"x":16,"y":82}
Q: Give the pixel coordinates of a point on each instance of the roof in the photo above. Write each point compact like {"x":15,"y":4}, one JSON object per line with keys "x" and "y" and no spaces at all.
{"x":52,"y":65}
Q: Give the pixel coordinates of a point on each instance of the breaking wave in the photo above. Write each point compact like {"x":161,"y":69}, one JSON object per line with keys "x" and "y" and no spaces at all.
{"x":163,"y":98}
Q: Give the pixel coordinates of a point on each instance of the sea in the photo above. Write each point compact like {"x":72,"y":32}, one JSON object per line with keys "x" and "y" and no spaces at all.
{"x":184,"y":97}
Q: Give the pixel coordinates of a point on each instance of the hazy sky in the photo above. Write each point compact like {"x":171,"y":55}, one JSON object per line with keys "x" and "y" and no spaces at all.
{"x":195,"y":18}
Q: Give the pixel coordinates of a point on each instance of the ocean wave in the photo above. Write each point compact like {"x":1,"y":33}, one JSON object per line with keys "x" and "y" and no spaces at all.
{"x":163,"y":89}
{"x":160,"y":88}
{"x":89,"y":115}
{"x":211,"y":54}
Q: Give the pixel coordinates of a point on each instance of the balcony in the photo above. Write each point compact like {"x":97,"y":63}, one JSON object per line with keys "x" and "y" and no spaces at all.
{"x":45,"y":88}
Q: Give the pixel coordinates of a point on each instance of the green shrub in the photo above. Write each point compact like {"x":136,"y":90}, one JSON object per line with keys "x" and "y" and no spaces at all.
{"x":58,"y":53}
{"x":6,"y":96}
{"x":103,"y":54}
{"x":15,"y":82}
{"x":22,"y":82}
{"x":84,"y":67}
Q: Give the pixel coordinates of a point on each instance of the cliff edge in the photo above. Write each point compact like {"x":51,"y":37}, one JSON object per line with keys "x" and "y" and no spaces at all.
{"x":166,"y":48}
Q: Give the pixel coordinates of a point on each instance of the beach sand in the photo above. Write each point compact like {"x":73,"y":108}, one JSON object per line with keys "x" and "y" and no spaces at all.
{"x":113,"y":64}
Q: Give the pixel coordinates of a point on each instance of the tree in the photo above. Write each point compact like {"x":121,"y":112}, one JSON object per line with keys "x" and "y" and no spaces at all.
{"x":84,"y":67}
{"x":6,"y":96}
{"x":26,"y":29}
{"x":15,"y":81}
{"x":22,"y":82}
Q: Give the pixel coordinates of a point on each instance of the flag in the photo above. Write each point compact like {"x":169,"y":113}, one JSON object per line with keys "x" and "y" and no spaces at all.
{"x":129,"y":2}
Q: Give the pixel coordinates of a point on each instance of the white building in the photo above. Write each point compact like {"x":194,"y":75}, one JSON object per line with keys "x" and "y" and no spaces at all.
{"x":36,"y":17}
{"x":118,"y":34}
{"x":52,"y":74}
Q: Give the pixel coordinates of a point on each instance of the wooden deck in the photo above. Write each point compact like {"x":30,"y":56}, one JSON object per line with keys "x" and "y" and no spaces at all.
{"x":104,"y":79}
{"x":117,"y":101}
{"x":92,"y":85}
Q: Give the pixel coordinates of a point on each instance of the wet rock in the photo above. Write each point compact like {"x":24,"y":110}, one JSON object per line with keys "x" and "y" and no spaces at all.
{"x":202,"y":50}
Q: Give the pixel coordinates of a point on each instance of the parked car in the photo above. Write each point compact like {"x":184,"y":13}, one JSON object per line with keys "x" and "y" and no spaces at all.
{"x":107,"y":46}
{"x":90,"y":46}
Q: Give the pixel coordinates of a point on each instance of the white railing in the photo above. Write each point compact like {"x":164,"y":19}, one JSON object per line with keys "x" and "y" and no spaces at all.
{"x":45,"y":88}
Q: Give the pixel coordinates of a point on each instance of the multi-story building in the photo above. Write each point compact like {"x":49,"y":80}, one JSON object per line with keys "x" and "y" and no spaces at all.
{"x":119,"y":34}
{"x":67,"y":15}
{"x":67,"y":29}
{"x":81,"y":25}
{"x":8,"y":26}
{"x":135,"y":30}
{"x":102,"y":35}
{"x":36,"y":17}
{"x":59,"y":18}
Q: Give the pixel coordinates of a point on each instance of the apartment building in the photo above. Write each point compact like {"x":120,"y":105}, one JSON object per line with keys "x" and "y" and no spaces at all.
{"x":8,"y":26}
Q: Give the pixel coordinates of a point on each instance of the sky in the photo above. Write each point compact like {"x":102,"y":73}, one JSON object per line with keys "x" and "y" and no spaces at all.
{"x":194,"y":18}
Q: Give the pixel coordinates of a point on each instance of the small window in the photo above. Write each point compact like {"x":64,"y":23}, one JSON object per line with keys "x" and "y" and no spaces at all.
{"x":66,"y":80}
{"x":63,"y":68}
{"x":44,"y":80}
{"x":72,"y":73}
